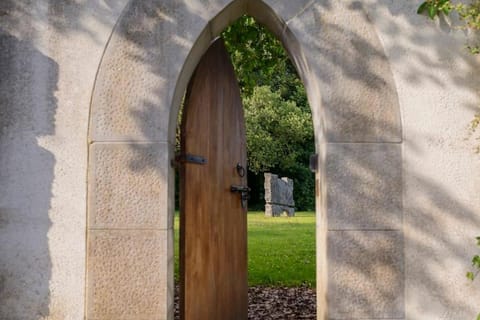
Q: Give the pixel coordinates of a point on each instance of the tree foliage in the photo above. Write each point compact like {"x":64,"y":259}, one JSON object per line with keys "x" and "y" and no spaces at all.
{"x":277,"y":130}
{"x":475,"y":264}
{"x":260,"y":60}
{"x":466,"y":17}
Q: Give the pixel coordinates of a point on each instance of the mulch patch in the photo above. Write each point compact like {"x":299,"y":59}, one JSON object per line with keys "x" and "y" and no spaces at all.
{"x":276,"y":303}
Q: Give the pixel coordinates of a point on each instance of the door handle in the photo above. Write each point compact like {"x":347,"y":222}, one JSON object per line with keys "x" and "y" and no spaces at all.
{"x":244,"y":193}
{"x":240,"y":170}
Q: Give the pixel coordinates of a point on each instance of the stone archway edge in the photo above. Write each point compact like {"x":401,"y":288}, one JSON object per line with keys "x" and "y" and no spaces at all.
{"x":144,"y":72}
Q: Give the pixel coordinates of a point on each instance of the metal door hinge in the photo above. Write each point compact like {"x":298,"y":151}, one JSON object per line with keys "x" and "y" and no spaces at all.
{"x":188,"y":158}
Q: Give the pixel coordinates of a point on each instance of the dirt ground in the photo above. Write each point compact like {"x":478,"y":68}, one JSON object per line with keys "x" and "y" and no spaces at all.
{"x":275,"y":303}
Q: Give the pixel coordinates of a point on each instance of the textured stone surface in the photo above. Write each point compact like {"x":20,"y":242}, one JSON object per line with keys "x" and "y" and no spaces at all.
{"x":366,"y":279}
{"x":170,"y":298}
{"x":46,"y":90}
{"x":228,"y":16}
{"x":49,"y":56}
{"x":285,"y":9}
{"x":273,"y":14}
{"x":26,"y":172}
{"x":127,"y":272}
{"x":137,"y":77}
{"x":364,"y":186}
{"x":278,"y":196}
{"x":128,"y":185}
{"x":278,"y":190}
{"x":348,"y":63}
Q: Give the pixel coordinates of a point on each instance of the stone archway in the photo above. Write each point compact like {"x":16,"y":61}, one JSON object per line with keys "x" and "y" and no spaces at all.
{"x":146,"y":66}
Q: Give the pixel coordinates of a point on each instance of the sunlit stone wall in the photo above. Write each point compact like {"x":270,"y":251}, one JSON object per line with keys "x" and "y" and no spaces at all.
{"x":89,"y":99}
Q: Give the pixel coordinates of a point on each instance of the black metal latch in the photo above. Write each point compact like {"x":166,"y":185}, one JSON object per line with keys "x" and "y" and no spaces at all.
{"x":244,"y":193}
{"x":188,"y":158}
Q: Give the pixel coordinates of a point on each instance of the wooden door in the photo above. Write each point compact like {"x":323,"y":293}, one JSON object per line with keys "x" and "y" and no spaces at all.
{"x":213,"y":223}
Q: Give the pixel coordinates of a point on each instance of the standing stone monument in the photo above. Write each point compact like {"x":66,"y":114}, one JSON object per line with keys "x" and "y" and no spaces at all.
{"x":278,"y":196}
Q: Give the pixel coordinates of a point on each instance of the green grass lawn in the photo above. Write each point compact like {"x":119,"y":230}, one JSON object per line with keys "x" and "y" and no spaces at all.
{"x":281,"y":250}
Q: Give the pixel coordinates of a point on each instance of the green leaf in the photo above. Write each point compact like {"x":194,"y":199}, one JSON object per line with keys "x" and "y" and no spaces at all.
{"x":474,"y":50}
{"x":476,"y":261}
{"x":478,"y":317}
{"x":432,"y":11}
{"x":446,"y":10}
{"x":470,"y":276}
{"x":422,"y":8}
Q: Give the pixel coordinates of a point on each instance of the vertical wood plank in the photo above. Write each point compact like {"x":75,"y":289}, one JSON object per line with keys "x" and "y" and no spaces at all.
{"x":213,"y":233}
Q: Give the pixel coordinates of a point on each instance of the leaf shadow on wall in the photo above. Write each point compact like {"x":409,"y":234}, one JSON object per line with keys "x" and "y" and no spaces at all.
{"x":27,"y":113}
{"x":428,"y":219}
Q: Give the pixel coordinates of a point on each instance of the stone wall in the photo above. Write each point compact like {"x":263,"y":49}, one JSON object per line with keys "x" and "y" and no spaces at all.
{"x":391,"y":96}
{"x":49,"y":55}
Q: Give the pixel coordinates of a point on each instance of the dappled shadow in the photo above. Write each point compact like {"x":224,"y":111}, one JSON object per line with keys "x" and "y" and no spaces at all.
{"x":436,"y":220}
{"x":434,"y":250}
{"x":26,"y":18}
{"x":411,"y":232}
{"x":27,"y":113}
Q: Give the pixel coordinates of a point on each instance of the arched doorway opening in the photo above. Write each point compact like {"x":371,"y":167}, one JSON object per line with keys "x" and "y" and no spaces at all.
{"x":281,"y":250}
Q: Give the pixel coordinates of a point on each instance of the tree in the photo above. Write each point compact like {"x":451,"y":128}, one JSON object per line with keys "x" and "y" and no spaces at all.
{"x":277,"y":130}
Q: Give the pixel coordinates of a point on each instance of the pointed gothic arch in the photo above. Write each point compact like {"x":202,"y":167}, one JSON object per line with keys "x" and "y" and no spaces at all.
{"x":146,"y":66}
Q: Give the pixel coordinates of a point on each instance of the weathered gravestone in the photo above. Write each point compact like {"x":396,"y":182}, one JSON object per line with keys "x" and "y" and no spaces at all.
{"x":278,"y":196}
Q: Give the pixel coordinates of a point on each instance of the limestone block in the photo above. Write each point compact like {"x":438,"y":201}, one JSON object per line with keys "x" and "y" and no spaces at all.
{"x":364,"y":186}
{"x":347,"y":63}
{"x":366,"y":275}
{"x":127,"y":273}
{"x":286,"y":9}
{"x":170,"y":271}
{"x":139,"y":71}
{"x":275,"y":210}
{"x":128,"y":185}
{"x":274,"y":13}
{"x":228,"y":16}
